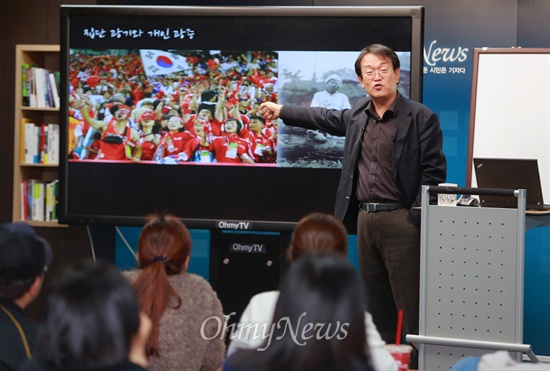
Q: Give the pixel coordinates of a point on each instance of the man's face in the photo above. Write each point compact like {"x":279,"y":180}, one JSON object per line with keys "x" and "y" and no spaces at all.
{"x":122,"y":114}
{"x":256,"y":125}
{"x":378,"y":78}
{"x":332,"y":86}
{"x":205,"y":114}
{"x":148,"y":118}
{"x":231,"y":127}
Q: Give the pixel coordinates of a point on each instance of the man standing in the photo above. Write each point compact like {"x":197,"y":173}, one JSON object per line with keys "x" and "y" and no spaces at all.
{"x":393,"y":146}
{"x":121,"y":142}
{"x":24,"y":257}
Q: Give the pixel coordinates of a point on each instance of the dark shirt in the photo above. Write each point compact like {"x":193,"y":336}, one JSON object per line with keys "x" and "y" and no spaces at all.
{"x":12,"y":350}
{"x":375,"y":166}
{"x":37,"y":366}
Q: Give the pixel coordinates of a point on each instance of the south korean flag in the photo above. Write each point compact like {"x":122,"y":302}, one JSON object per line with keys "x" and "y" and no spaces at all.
{"x":159,"y":63}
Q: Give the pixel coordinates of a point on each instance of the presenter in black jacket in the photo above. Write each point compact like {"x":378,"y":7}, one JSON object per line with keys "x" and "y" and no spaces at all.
{"x":393,"y":146}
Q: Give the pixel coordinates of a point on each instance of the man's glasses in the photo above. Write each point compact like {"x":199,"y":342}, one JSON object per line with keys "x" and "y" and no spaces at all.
{"x":371,"y":74}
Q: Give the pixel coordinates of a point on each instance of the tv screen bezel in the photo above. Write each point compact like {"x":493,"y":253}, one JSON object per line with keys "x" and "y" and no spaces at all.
{"x":69,"y":216}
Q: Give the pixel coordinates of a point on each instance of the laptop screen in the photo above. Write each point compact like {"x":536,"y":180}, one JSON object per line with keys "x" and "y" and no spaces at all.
{"x":509,"y":173}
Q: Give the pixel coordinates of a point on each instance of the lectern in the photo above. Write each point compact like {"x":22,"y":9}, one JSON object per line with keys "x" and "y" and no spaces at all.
{"x":471,"y":280}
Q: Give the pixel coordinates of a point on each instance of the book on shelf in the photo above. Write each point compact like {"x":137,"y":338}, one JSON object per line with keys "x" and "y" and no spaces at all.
{"x":48,"y":202}
{"x":39,"y":200}
{"x":49,"y":92}
{"x":42,"y":87}
{"x":55,"y":91}
{"x":23,"y":149}
{"x":32,"y":147}
{"x":27,"y":198}
{"x":53,"y":143}
{"x":28,"y":195}
{"x":43,"y":143}
{"x":40,"y":143}
{"x":51,"y":201}
{"x":32,"y":137}
{"x":41,"y":90}
{"x":26,"y":86}
{"x":24,"y":200}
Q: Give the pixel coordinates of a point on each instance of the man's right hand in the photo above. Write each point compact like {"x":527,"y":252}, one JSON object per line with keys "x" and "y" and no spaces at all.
{"x":270,"y":110}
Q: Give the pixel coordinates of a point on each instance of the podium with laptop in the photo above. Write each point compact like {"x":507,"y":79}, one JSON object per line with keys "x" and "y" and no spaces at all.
{"x":472,"y":265}
{"x":471,"y":279}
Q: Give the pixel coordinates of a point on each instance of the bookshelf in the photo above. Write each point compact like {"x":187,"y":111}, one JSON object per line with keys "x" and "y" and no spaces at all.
{"x":47,"y":57}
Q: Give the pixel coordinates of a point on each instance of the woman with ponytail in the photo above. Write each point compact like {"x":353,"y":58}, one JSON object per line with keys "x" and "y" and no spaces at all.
{"x":187,"y":316}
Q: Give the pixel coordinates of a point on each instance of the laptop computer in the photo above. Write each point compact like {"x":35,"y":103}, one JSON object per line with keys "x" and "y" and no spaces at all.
{"x":509,"y":173}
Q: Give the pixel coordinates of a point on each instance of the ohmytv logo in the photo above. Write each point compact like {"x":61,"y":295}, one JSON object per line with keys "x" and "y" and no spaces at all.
{"x":234,"y":225}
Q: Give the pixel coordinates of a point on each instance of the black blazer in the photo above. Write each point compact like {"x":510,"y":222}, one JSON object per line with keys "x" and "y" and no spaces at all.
{"x":418,"y":157}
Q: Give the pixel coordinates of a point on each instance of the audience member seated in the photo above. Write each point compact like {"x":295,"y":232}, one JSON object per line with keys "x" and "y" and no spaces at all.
{"x":316,"y":232}
{"x":92,"y":322}
{"x":188,"y":321}
{"x":24,"y":257}
{"x":318,"y":323}
{"x":497,"y":361}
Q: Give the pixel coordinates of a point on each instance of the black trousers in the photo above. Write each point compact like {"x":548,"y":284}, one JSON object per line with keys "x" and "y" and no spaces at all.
{"x":389,"y":261}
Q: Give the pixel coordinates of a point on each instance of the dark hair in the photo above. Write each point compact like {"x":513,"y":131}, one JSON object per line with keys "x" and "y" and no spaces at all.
{"x":92,"y":314}
{"x":239,"y":124}
{"x":156,"y":128}
{"x":14,"y":289}
{"x":207,"y":106}
{"x":24,"y":256}
{"x":208,"y":95}
{"x":258,"y":117}
{"x":319,"y":320}
{"x":380,"y":50}
{"x":163,"y":247}
{"x":318,"y":232}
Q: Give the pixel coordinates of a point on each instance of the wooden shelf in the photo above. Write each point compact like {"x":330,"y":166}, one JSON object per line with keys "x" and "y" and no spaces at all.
{"x":45,"y":56}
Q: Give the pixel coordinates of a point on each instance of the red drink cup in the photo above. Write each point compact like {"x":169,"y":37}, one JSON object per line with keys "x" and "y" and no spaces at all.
{"x":401,"y":354}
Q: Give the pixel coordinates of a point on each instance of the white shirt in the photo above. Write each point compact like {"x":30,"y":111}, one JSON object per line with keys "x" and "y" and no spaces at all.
{"x":331,"y":101}
{"x":260,"y":311}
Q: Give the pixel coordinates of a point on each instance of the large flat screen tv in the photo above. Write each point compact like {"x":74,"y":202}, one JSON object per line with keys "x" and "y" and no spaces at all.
{"x":158,"y":108}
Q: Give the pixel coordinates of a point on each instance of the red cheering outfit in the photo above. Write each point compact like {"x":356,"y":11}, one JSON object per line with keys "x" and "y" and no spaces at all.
{"x":230,"y":148}
{"x":114,"y":143}
{"x":148,"y":147}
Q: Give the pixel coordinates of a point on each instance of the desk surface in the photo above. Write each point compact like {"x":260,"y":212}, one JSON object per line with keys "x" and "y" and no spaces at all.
{"x":537,"y":212}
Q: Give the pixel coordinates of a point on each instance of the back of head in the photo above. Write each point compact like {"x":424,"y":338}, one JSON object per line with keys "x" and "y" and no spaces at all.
{"x":164,"y":247}
{"x":24,"y":256}
{"x":319,"y":319}
{"x":164,"y":242}
{"x":91,"y":316}
{"x":317,"y":232}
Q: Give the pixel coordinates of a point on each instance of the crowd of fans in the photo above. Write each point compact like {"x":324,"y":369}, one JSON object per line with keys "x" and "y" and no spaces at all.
{"x":206,"y":112}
